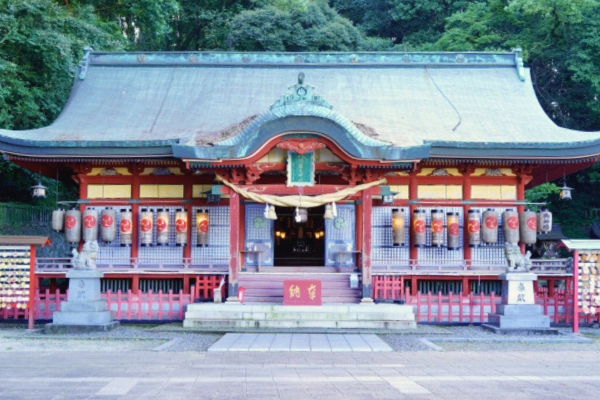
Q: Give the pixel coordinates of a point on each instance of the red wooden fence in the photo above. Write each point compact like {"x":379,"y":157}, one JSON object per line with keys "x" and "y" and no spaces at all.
{"x":472,"y":308}
{"x":429,"y":308}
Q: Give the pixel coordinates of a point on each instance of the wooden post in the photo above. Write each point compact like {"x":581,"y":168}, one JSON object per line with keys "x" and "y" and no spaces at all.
{"x":412,"y":195}
{"x":234,"y":245}
{"x":32,"y":287}
{"x":466,"y":195}
{"x":367,"y":210}
{"x":521,"y":181}
{"x":575,"y":292}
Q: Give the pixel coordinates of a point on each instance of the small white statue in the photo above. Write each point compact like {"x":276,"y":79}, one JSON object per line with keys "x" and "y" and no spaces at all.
{"x":85,"y":259}
{"x":517,"y":262}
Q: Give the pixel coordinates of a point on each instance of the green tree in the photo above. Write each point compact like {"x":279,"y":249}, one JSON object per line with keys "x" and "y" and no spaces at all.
{"x":561,"y":43}
{"x":298,"y":26}
{"x":41,"y":43}
{"x":410,"y":23}
{"x":204,"y":24}
{"x":146,"y":24}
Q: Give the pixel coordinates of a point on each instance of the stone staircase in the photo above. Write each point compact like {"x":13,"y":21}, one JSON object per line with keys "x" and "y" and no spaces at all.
{"x":267,"y":287}
{"x":276,"y":317}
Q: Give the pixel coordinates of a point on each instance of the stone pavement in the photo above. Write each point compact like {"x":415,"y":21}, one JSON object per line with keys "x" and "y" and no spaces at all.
{"x":299,"y":375}
{"x":299,"y":342}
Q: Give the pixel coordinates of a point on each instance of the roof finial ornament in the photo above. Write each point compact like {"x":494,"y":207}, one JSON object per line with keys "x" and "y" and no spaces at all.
{"x":301,"y":94}
{"x":301,"y":78}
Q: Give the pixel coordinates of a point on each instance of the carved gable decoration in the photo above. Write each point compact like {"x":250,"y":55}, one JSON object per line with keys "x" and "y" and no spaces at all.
{"x":493,"y":172}
{"x":301,"y":93}
{"x":440,"y":172}
{"x":301,"y":146}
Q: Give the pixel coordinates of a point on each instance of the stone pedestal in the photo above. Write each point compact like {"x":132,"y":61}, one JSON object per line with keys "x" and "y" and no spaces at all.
{"x":84,"y":310}
{"x":518,"y":312}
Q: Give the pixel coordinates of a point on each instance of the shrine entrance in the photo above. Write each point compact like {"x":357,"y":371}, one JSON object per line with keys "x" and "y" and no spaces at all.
{"x":299,"y":243}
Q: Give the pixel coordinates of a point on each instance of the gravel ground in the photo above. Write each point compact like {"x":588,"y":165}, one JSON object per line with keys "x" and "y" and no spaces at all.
{"x":172,"y":338}
{"x":125,"y":337}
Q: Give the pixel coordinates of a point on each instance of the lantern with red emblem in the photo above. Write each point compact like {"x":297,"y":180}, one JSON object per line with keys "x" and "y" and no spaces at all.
{"x":162,"y":227}
{"x":453,"y":230}
{"x":510,"y":222}
{"x":437,"y":228}
{"x":108,"y":227}
{"x":419,"y":222}
{"x":126,"y":227}
{"x":73,"y":226}
{"x":489,"y":226}
{"x":474,"y":228}
{"x":181,"y":227}
{"x":202,"y":224}
{"x":146,"y":222}
{"x":528,"y":227}
{"x":90,"y":225}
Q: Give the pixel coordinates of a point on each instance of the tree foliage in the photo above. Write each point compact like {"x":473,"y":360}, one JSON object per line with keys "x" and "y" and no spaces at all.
{"x":293,"y":26}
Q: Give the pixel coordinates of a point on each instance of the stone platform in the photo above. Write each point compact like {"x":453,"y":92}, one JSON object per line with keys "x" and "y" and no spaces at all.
{"x":518,"y":313}
{"x":84,"y":310}
{"x":236,"y":316}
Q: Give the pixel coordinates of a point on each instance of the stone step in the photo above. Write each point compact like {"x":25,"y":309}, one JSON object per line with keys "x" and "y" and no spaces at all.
{"x":334,"y":316}
{"x":303,"y":324}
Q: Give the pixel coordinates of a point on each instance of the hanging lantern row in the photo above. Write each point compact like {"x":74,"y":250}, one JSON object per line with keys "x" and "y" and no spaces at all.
{"x":481,"y":228}
{"x":84,"y":226}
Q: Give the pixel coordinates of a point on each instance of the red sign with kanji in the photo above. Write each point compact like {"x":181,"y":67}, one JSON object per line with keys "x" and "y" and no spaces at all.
{"x":302,"y":293}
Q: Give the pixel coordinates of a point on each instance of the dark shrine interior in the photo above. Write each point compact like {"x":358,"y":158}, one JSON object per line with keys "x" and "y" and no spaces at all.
{"x":299,"y":244}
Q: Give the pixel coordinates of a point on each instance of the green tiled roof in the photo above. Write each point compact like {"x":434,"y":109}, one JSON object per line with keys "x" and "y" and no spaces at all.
{"x":389,"y":106}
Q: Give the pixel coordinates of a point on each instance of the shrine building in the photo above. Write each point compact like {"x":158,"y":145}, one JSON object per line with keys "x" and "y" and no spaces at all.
{"x":369,"y":172}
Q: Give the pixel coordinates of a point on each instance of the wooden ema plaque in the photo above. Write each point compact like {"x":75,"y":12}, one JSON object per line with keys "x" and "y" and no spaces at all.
{"x":302,"y":293}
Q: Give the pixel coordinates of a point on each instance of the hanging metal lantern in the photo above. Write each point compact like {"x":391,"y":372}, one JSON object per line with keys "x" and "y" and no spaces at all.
{"x":437,"y":228}
{"x":510,"y":224}
{"x":90,"y":225}
{"x":528,"y":227}
{"x":126,"y":227}
{"x":108,"y":225}
{"x":398,"y":227}
{"x":38,"y":191}
{"x":544,"y":221}
{"x":452,"y":220}
{"x":162,"y":227}
{"x":565,"y":192}
{"x":489,"y":227}
{"x":181,"y":227}
{"x":474,"y":228}
{"x":419,"y":222}
{"x":58,"y":220}
{"x":146,"y":222}
{"x":73,"y":226}
{"x":202,"y":224}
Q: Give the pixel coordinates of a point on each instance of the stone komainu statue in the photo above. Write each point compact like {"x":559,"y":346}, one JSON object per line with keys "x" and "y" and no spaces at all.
{"x":517,"y":262}
{"x":85,"y":259}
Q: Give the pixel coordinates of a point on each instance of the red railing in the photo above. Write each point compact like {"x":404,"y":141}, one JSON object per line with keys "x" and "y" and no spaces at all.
{"x":472,"y":308}
{"x":561,"y":266}
{"x":44,"y":264}
{"x":125,"y":306}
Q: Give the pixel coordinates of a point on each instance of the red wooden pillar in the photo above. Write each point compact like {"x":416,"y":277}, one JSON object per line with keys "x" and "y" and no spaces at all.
{"x":135,"y":284}
{"x":234,"y":245}
{"x":466,"y":195}
{"x":135,"y":195}
{"x":32,"y":286}
{"x":187,"y":249}
{"x":575,"y":292}
{"x":367,"y":233}
{"x":412,"y":195}
{"x":521,"y":181}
